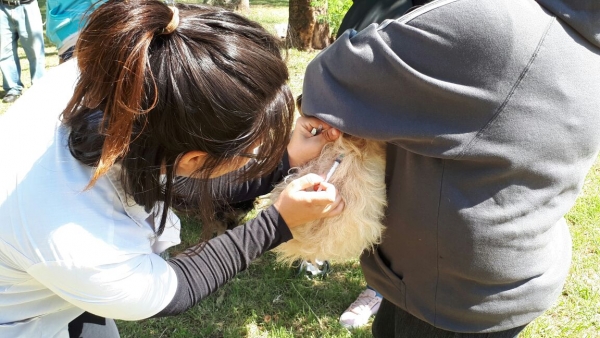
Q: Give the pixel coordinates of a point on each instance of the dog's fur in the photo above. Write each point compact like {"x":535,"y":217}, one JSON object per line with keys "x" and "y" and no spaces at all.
{"x":360,"y":179}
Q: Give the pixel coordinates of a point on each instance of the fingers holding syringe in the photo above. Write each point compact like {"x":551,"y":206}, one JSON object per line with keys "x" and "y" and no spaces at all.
{"x":300,"y":203}
{"x":334,"y":208}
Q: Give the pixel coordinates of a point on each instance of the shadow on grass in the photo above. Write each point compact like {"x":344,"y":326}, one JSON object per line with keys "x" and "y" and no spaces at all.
{"x":265,"y":299}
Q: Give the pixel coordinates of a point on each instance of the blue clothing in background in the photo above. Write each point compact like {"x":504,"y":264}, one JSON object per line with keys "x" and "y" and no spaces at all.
{"x":65,"y":19}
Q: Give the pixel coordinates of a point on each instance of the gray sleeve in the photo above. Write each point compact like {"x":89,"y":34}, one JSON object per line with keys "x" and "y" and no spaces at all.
{"x":202,"y":269}
{"x":428,"y":82}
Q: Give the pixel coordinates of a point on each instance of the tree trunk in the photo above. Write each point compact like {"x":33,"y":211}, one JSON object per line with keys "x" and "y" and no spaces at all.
{"x":322,"y":33}
{"x":308,"y":24}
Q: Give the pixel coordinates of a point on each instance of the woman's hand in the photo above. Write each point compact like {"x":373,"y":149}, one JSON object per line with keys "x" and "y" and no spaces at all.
{"x":304,"y":145}
{"x":300,"y":202}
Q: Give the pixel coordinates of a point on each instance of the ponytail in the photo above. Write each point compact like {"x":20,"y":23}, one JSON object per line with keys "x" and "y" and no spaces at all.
{"x":113,"y":60}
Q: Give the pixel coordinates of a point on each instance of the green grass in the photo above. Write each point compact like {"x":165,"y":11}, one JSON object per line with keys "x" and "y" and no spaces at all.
{"x":267,"y":300}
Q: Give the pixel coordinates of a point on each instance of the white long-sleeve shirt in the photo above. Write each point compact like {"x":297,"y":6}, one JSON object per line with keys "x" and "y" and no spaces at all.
{"x":64,"y":250}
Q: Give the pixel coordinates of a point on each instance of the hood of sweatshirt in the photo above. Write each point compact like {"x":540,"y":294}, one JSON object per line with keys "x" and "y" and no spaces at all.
{"x":439,"y":74}
{"x":582,"y":15}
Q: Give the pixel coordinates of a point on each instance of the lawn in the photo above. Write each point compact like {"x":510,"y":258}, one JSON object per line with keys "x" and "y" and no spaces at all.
{"x":268,"y":300}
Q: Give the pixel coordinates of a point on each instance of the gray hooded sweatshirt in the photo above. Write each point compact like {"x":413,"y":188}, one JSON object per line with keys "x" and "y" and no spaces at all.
{"x":491,"y":111}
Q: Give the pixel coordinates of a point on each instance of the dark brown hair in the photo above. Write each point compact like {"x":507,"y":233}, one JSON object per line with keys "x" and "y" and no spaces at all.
{"x":217,"y":84}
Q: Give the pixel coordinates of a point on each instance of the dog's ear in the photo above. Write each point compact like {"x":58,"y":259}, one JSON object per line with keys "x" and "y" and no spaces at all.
{"x":299,"y":104}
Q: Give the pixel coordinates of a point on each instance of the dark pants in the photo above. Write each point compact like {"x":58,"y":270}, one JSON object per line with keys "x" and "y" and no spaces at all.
{"x":393,"y":322}
{"x":91,"y":326}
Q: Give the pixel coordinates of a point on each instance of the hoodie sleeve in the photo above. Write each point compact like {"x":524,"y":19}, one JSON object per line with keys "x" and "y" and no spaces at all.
{"x":429,"y":81}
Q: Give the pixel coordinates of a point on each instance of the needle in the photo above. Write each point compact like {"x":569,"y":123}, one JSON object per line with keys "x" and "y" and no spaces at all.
{"x":332,"y":170}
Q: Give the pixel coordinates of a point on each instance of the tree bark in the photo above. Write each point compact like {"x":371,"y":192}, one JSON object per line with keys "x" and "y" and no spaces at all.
{"x":321,"y":33}
{"x":307,"y":25}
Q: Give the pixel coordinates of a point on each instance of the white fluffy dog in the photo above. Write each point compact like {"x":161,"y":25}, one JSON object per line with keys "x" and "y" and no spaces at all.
{"x":360,"y":179}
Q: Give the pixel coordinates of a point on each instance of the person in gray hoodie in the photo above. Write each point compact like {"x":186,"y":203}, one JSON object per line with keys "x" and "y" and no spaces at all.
{"x":491,"y":112}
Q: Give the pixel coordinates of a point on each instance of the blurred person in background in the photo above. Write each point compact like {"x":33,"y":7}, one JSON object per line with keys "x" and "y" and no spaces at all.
{"x":20,"y":20}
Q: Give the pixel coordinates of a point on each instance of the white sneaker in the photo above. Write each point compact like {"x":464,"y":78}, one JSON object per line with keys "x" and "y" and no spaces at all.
{"x":318,"y":269}
{"x":358,"y":313}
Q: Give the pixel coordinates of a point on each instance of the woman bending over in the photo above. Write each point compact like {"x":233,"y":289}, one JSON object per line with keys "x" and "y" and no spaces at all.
{"x":155,"y":94}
